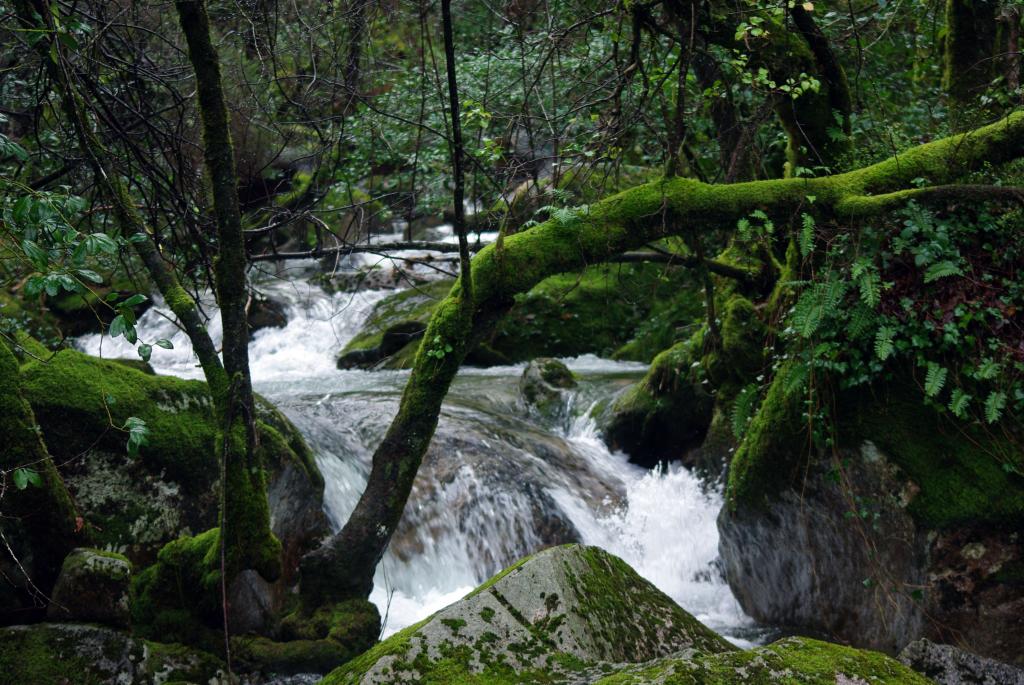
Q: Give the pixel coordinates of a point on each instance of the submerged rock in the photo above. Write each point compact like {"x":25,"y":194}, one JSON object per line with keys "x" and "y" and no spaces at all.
{"x":93,"y":587}
{"x":79,"y":654}
{"x":544,"y":381}
{"x":575,"y":614}
{"x":948,"y":665}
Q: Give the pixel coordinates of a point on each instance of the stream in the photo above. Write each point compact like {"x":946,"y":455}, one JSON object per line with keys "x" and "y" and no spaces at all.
{"x":499,"y":481}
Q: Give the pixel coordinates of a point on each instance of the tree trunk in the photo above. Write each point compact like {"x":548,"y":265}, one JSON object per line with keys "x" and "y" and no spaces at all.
{"x":245,"y":514}
{"x":970,"y":57}
{"x":344,"y":566}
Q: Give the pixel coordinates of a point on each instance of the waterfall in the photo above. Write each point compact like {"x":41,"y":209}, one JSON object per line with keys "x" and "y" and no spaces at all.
{"x":498,"y":482}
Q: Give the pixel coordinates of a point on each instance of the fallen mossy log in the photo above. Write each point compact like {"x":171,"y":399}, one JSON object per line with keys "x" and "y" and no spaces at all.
{"x":343,"y":567}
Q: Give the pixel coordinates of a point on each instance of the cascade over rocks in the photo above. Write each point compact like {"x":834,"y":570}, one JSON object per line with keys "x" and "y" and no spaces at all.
{"x":576,"y":614}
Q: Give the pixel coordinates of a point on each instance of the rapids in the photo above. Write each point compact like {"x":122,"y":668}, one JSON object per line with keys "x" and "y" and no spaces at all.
{"x":499,"y":480}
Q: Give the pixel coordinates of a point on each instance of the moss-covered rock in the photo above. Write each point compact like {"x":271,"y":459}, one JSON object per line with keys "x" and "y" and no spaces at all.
{"x":139,"y":503}
{"x":666,"y":415}
{"x":629,"y":311}
{"x":39,"y":521}
{"x":93,"y":587}
{"x":314,"y":642}
{"x":543,"y":382}
{"x":77,"y":654}
{"x":789,"y":661}
{"x":547,"y":618}
{"x":905,"y":529}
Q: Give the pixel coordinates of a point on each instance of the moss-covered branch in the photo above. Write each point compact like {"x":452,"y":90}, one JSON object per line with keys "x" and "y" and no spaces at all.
{"x":345,"y":565}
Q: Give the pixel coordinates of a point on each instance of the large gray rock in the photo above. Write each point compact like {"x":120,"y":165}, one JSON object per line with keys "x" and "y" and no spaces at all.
{"x":93,"y":587}
{"x":77,"y":654}
{"x":559,"y":614}
{"x":948,"y":665}
{"x":841,"y":554}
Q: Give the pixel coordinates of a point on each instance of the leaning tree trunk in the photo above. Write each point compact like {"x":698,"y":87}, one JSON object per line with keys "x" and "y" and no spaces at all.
{"x":344,"y":567}
{"x":245,"y":531}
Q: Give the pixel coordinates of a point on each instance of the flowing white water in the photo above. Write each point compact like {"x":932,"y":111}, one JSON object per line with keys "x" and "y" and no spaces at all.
{"x":499,"y":482}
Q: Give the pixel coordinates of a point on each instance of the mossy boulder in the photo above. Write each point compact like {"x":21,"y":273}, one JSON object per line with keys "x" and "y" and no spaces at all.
{"x":548,"y":618}
{"x":908,"y":527}
{"x":93,"y":587}
{"x":665,"y":416}
{"x":78,"y":654}
{"x":794,"y":660}
{"x":630,"y":311}
{"x":315,"y":642}
{"x":543,"y":383}
{"x":138,"y":503}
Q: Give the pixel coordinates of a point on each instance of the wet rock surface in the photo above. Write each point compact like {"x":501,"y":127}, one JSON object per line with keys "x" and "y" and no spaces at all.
{"x":948,"y":665}
{"x":842,"y":556}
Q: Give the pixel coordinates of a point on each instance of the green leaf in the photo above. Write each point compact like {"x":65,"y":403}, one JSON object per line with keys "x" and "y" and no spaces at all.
{"x":884,"y":346}
{"x":941,"y":269}
{"x":89,"y":275}
{"x":145,"y":351}
{"x":134,"y":300}
{"x":164,"y":343}
{"x":934,"y":380}
{"x":138,"y":434}
{"x":24,"y":476}
{"x":807,"y":236}
{"x":36,"y":254}
{"x":117,"y":326}
{"x":994,"y":406}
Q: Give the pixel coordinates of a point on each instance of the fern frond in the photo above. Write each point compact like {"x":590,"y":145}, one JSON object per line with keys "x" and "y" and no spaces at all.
{"x":743,"y":410}
{"x":994,"y":406}
{"x":884,"y":346}
{"x":935,"y":379}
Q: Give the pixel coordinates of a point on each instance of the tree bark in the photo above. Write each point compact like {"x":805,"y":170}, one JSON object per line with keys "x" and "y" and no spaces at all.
{"x":344,"y":566}
{"x":245,"y":513}
{"x":971,"y":28}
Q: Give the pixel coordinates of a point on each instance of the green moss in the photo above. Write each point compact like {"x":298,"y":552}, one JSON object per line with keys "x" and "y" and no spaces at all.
{"x":414,"y":304}
{"x":958,"y":467}
{"x":629,"y":311}
{"x":177,"y":599}
{"x":773,"y":447}
{"x":789,"y":661}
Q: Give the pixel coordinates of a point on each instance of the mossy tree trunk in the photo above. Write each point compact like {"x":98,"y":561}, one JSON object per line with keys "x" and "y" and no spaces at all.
{"x":245,"y":514}
{"x":971,"y":62}
{"x":344,"y":566}
{"x":37,"y":513}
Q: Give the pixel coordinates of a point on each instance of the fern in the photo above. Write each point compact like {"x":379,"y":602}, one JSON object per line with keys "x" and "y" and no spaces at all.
{"x":884,"y":346}
{"x":934,"y":380}
{"x":994,"y":406}
{"x":807,"y":235}
{"x":941,"y":269}
{"x":862,"y":319}
{"x":743,"y":410}
{"x":988,"y":369}
{"x":958,"y":403}
{"x":795,"y":379}
{"x":808,"y":313}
